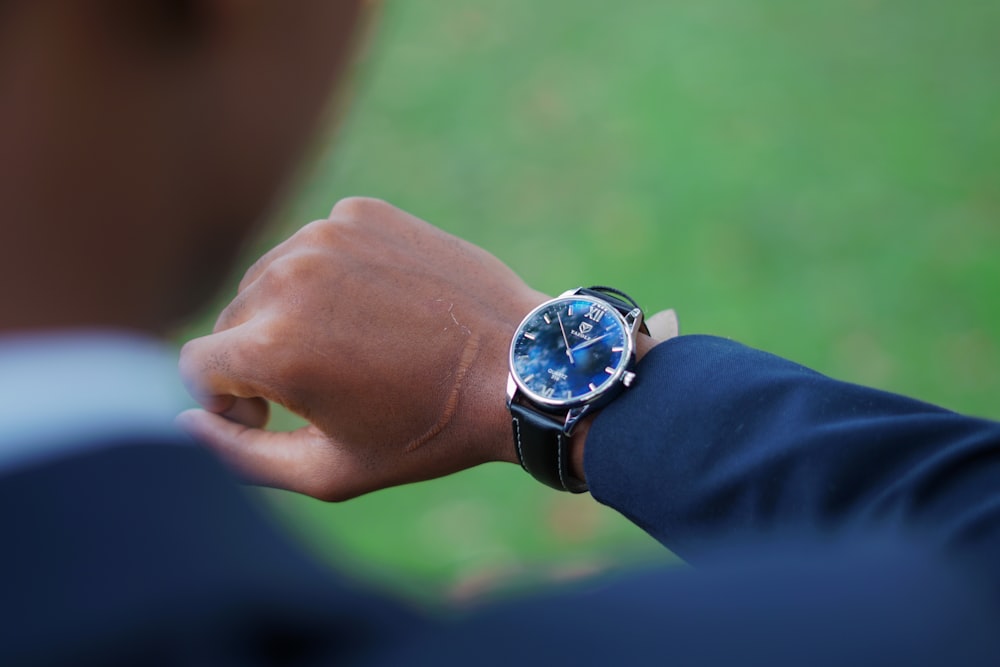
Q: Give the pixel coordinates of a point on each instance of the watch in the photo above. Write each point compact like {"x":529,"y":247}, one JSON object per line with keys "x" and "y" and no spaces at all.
{"x":569,"y":357}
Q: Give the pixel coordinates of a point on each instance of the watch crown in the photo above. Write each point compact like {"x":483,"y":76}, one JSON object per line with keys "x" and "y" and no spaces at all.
{"x":628,"y":378}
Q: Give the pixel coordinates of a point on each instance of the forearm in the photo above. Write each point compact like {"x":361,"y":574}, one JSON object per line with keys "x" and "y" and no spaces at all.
{"x":714,"y":440}
{"x":718,"y":443}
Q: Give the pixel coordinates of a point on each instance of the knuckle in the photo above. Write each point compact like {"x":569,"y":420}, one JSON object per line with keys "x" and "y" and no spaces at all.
{"x":205,"y":370}
{"x":189,"y":364}
{"x":355,"y":209}
{"x":317,"y":231}
{"x":234,"y":313}
{"x":283,"y":273}
{"x":252,"y":272}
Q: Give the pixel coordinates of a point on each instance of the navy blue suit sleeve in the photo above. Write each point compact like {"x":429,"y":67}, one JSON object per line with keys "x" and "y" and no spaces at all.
{"x":718,"y":443}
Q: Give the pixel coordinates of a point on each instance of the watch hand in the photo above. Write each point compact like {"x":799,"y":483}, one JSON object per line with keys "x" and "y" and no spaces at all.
{"x":565,"y":340}
{"x":588,"y":343}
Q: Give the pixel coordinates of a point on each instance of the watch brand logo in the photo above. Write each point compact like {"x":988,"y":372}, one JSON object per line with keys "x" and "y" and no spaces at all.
{"x":557,"y":375}
{"x":583,"y":332}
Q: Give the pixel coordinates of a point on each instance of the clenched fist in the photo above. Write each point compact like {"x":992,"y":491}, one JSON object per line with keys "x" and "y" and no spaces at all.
{"x":388,"y":335}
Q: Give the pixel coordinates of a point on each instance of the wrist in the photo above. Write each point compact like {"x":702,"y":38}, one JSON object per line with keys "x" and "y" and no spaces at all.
{"x":499,"y":445}
{"x":568,"y":357}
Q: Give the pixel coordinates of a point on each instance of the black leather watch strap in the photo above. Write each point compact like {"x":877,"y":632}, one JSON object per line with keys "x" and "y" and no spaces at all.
{"x":543,"y":449}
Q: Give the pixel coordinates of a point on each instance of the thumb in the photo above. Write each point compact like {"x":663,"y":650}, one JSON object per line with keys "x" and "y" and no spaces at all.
{"x":281,"y":459}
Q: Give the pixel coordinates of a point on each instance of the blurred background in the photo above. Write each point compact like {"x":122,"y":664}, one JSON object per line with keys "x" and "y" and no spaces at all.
{"x":817,"y":178}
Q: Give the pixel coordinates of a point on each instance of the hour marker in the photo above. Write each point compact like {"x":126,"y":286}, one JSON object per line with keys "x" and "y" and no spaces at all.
{"x":548,"y":320}
{"x":530,"y":378}
{"x":569,"y":311}
{"x":609,"y":370}
{"x":618,"y":348}
{"x":530,"y":336}
{"x":593,"y":387}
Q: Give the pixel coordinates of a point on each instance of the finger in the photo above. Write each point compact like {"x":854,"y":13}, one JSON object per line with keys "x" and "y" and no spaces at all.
{"x":664,"y":325}
{"x":239,"y":311}
{"x":216,"y":372}
{"x":285,"y":277}
{"x":284,"y":460}
{"x":252,"y":412}
{"x":278,"y":269}
{"x":258,"y":268}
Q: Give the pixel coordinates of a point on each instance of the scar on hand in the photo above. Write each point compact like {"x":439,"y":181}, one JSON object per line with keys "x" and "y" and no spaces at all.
{"x":469,"y":352}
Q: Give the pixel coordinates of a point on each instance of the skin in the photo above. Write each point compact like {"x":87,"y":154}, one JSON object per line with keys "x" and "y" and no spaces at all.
{"x":138,"y":148}
{"x":387,"y":334}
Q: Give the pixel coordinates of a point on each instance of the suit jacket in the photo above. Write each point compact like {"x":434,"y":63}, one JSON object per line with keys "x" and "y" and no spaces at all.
{"x":830,"y":524}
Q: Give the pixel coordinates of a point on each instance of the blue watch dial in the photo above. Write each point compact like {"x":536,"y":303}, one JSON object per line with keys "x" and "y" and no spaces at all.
{"x":570,"y":350}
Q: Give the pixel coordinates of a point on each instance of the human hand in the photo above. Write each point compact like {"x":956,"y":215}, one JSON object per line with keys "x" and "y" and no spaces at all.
{"x":388,"y":335}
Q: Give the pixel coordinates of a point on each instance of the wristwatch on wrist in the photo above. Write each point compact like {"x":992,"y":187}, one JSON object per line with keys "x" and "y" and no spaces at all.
{"x":569,"y":357}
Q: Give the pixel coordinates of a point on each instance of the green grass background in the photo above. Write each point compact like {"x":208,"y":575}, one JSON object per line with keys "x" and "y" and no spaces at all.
{"x":817,"y":178}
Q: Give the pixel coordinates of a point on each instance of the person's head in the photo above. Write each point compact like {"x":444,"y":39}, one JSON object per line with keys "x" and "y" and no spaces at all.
{"x":141,"y":139}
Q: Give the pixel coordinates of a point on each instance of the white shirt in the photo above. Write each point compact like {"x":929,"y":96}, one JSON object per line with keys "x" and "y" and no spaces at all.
{"x":61,"y":393}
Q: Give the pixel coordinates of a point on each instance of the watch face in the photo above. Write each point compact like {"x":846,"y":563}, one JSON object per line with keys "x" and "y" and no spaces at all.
{"x":570,"y":350}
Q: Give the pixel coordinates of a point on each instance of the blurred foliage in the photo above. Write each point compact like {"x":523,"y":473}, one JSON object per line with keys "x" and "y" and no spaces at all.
{"x":819,"y":179}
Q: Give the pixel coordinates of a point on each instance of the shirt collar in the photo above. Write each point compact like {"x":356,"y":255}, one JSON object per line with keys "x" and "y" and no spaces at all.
{"x":61,"y":393}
